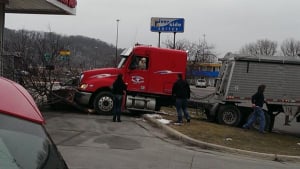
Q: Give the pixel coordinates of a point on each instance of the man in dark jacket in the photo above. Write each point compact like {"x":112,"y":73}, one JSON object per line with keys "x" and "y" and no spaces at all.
{"x":119,"y":87}
{"x":181,"y":91}
{"x":258,"y":100}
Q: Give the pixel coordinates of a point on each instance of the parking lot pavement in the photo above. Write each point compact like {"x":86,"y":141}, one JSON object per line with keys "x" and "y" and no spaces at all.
{"x":91,"y":141}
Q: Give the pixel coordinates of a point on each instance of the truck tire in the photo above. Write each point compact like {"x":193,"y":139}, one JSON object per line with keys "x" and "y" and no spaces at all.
{"x":229,"y":115}
{"x":103,"y":103}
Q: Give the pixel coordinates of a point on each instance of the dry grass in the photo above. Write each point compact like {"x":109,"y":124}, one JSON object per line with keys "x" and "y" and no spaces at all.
{"x":235,"y":137}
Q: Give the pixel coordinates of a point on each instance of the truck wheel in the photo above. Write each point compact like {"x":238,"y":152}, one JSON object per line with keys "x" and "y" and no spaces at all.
{"x":103,"y":103}
{"x":229,"y":115}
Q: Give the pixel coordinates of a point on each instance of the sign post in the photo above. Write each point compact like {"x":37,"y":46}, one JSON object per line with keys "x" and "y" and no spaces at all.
{"x":65,"y":55}
{"x":173,"y":25}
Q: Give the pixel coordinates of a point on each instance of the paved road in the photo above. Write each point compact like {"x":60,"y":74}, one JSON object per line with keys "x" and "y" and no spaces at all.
{"x":94,"y":142}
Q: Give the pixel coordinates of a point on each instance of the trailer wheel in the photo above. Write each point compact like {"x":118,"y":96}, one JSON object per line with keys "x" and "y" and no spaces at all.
{"x":229,"y":115}
{"x":103,"y":103}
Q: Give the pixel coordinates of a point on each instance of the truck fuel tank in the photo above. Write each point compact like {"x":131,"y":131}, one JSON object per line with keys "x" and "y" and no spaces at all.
{"x":140,"y":102}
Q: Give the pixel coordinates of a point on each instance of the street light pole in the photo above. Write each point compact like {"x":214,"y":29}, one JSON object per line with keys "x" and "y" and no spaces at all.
{"x":117,"y":42}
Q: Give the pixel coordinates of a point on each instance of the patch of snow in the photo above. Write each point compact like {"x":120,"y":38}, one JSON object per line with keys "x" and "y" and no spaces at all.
{"x":163,"y":112}
{"x":164,"y":121}
{"x":156,"y":116}
{"x":228,"y":139}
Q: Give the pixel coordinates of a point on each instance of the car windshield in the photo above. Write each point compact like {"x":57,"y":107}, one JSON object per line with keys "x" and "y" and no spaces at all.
{"x":24,"y":144}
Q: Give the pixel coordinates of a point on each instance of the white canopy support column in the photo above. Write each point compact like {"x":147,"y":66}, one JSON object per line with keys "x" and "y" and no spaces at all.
{"x":2,"y":22}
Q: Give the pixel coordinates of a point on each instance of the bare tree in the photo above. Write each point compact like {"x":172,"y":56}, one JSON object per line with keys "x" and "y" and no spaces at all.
{"x":249,"y":49}
{"x":198,"y":52}
{"x":290,"y":47}
{"x":260,"y":47}
{"x":205,"y":52}
{"x":181,"y":44}
{"x":38,"y":54}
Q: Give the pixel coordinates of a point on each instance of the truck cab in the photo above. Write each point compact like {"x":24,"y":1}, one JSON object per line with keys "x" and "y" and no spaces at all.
{"x":149,"y":73}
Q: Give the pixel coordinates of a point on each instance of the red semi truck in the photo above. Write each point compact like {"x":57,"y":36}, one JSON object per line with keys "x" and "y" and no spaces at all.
{"x":148,"y":87}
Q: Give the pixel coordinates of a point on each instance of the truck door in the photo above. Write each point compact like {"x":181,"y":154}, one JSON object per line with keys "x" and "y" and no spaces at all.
{"x":137,"y":75}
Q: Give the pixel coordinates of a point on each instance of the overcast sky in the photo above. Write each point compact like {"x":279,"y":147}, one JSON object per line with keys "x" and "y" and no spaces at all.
{"x":227,"y":24}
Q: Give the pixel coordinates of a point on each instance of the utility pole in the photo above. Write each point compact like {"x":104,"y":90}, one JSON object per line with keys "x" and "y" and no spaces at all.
{"x":116,"y":59}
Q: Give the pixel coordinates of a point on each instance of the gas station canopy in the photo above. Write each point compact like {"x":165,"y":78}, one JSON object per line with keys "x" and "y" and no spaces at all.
{"x":56,"y":7}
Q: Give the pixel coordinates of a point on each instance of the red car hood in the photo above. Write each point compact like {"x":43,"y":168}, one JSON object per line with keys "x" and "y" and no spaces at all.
{"x":16,"y":101}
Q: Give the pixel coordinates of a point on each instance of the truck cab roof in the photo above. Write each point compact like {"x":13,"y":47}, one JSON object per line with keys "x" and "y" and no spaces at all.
{"x":145,"y":49}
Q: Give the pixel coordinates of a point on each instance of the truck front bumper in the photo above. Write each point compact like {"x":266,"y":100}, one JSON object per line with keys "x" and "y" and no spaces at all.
{"x":82,"y":98}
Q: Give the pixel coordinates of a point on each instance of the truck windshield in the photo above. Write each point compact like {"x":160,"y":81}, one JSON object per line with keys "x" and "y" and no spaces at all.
{"x":124,"y":56}
{"x":123,"y":60}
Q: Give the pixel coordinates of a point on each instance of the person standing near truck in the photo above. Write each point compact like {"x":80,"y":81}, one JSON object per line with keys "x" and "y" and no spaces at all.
{"x":181,"y":91}
{"x":118,"y":90}
{"x":258,"y":100}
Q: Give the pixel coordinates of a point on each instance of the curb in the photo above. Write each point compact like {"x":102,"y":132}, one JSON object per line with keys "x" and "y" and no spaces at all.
{"x":204,"y":145}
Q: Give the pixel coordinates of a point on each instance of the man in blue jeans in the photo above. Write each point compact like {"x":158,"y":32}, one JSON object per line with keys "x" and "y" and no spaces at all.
{"x":181,"y":91}
{"x":119,"y":88}
{"x":258,"y":101}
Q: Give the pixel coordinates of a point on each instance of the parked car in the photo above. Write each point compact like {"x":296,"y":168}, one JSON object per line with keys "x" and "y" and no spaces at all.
{"x":24,"y":140}
{"x":201,"y":83}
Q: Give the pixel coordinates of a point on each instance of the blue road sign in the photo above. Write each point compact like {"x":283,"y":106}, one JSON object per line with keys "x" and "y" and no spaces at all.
{"x":167,"y":24}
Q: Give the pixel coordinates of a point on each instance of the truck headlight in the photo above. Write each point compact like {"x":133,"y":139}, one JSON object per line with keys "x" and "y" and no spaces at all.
{"x":83,"y":86}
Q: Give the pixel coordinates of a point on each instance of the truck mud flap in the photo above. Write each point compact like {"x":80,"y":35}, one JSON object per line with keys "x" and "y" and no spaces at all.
{"x":211,"y":112}
{"x":214,"y":109}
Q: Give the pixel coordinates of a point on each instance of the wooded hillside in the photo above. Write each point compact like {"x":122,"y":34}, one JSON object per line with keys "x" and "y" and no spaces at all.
{"x":32,"y":47}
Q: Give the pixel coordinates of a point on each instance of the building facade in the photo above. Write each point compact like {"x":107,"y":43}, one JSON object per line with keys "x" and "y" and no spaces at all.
{"x":207,"y":71}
